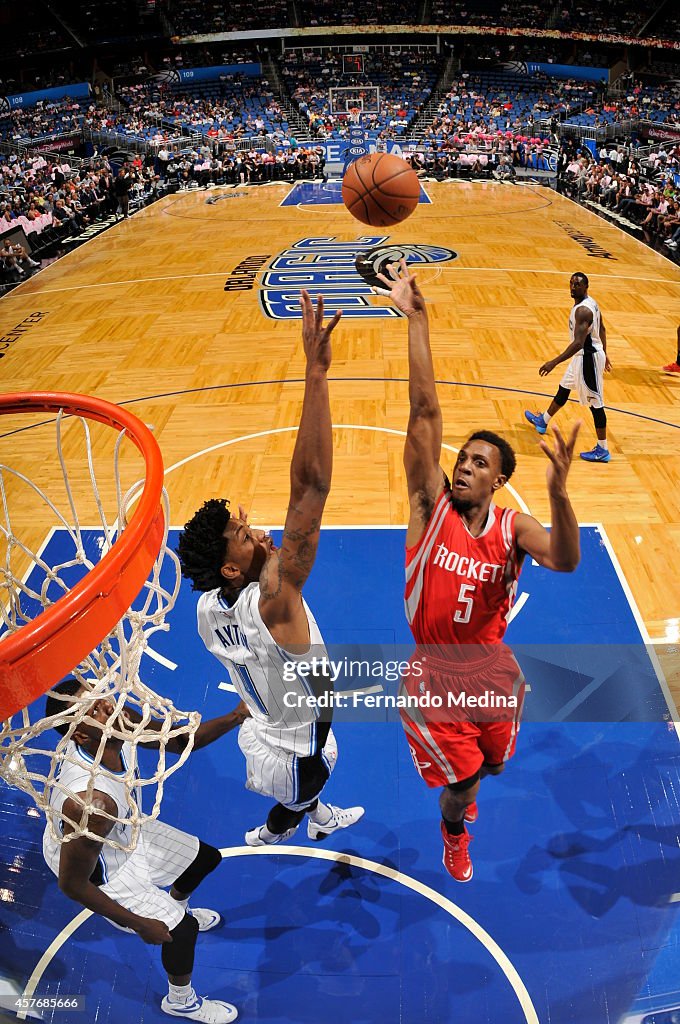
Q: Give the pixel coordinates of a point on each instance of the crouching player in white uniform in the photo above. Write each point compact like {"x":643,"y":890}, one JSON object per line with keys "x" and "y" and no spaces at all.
{"x":126,"y":887}
{"x":253,"y":618}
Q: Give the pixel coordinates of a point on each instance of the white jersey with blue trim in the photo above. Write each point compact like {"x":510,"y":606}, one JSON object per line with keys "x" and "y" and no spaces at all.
{"x":75,"y":775}
{"x":261,"y":671}
{"x":592,"y":305}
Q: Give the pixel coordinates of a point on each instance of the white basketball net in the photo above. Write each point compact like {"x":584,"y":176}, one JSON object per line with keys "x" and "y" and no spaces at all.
{"x":28,"y":758}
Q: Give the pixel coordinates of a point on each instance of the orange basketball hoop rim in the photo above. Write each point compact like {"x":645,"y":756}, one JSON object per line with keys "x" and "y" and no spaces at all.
{"x":41,"y":652}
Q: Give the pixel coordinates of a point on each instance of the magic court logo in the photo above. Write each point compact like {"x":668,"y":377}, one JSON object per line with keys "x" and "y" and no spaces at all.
{"x":345,"y":273}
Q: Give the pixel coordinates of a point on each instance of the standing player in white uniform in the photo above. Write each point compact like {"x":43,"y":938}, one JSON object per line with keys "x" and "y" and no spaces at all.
{"x":587,"y":353}
{"x":125,"y":887}
{"x":252,"y":617}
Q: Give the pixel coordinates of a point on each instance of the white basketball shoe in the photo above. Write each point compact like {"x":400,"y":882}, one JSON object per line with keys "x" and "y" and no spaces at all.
{"x":207,"y":919}
{"x":210,"y":1011}
{"x":255,"y":836}
{"x":339,"y":819}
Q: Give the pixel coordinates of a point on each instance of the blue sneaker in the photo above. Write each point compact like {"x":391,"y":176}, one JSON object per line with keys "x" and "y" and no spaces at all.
{"x":536,"y":420}
{"x":597,"y":454}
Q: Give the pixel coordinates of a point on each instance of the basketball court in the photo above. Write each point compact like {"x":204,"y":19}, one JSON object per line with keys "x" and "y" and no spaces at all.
{"x":188,"y":315}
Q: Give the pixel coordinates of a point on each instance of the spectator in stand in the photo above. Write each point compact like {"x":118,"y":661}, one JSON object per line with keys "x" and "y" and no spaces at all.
{"x":14,"y":257}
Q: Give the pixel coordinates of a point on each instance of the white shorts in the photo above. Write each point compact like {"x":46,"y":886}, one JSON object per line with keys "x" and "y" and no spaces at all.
{"x":279,"y":774}
{"x":585,"y":374}
{"x":160,"y":857}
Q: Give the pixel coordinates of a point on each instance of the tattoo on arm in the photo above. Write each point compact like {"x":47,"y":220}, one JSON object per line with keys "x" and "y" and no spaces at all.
{"x":272,"y":588}
{"x":296,"y":557}
{"x":300,"y":546}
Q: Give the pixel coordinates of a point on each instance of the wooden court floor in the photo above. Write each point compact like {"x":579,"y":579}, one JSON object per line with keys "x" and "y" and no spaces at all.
{"x":140,"y":315}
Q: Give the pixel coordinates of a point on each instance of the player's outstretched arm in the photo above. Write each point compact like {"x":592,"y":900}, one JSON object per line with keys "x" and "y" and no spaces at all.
{"x":310,"y":483}
{"x":582,"y":328}
{"x":603,"y":338}
{"x":560,"y":548}
{"x":206,"y":733}
{"x":77,"y":861}
{"x":422,"y":449}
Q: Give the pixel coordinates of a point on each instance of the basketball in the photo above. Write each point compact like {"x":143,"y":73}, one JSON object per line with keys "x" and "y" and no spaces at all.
{"x":380,"y":189}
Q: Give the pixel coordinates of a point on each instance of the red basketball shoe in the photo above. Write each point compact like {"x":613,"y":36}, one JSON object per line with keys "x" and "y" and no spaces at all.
{"x":456,"y":858}
{"x":471,"y":813}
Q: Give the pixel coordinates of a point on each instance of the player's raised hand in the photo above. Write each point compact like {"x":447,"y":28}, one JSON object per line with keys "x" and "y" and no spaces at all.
{"x":560,"y":459}
{"x":315,"y":337}
{"x":402,"y":289}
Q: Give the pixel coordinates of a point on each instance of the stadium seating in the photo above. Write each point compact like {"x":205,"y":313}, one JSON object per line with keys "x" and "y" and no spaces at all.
{"x":501,"y":101}
{"x":28,"y":28}
{"x":405,"y":80}
{"x":191,"y":17}
{"x":381,"y":12}
{"x":659,"y":103}
{"x":240,"y":104}
{"x":489,"y":13}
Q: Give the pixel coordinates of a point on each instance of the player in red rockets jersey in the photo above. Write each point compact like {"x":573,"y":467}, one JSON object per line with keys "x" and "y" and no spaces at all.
{"x":463,"y":558}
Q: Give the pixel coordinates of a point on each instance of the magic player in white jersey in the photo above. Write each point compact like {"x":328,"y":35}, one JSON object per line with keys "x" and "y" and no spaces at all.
{"x":588,"y":360}
{"x":252,"y":617}
{"x":126,"y":887}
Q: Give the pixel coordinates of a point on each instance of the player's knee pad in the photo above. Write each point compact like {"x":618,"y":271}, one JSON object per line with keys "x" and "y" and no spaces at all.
{"x":561,"y":396}
{"x":599,"y":417}
{"x":456,"y":788}
{"x":494,"y":769}
{"x":205,"y":861}
{"x":178,"y":955}
{"x":281,"y":818}
{"x":314,"y":773}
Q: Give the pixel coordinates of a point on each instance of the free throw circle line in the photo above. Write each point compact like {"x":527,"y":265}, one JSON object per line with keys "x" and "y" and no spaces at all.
{"x":364,"y":864}
{"x":336,"y":426}
{"x":475,"y":929}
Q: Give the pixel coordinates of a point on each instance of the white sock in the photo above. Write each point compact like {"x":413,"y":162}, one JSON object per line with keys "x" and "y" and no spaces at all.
{"x":321,"y":815}
{"x":603,"y":444}
{"x":181,"y":993}
{"x":183,"y":903}
{"x":268,"y":836}
{"x":546,"y":418}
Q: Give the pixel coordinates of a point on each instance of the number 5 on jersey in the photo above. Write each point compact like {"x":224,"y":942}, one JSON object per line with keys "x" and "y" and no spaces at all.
{"x":464,"y":609}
